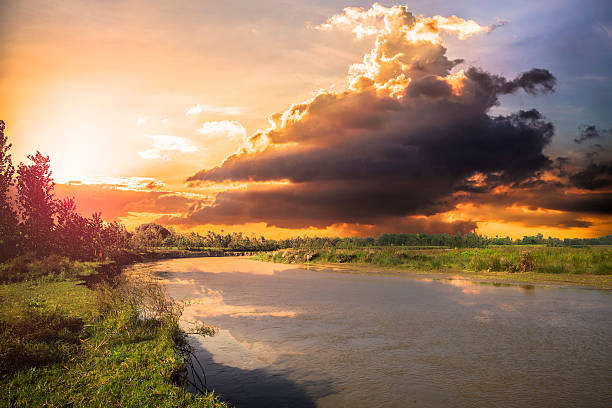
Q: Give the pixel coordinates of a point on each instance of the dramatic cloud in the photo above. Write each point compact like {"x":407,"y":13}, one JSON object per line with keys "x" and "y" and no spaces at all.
{"x":409,"y":137}
{"x":533,"y":81}
{"x":593,"y":177}
{"x":163,"y":143}
{"x":382,"y":20}
{"x":550,"y":201}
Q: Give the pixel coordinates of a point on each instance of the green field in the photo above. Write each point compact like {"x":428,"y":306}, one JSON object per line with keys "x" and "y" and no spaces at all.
{"x":587,"y":266}
{"x":65,"y":344}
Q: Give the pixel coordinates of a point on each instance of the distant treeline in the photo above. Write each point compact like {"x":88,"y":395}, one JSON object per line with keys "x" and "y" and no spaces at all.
{"x":33,"y":221}
{"x":469,"y":240}
{"x":154,"y":235}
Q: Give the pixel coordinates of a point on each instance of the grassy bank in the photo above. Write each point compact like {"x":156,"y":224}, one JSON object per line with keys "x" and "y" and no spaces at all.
{"x":588,"y":266}
{"x":68,"y":338}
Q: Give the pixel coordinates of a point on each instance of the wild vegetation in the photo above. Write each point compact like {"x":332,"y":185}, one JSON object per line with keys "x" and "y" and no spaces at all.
{"x":524,"y":262}
{"x":34,"y":223}
{"x":74,"y":338}
{"x":153,"y":236}
{"x":73,"y":330}
{"x":469,"y":240}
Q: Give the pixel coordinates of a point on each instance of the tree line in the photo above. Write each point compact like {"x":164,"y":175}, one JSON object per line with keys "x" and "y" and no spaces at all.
{"x":34,"y":221}
{"x":469,"y":240}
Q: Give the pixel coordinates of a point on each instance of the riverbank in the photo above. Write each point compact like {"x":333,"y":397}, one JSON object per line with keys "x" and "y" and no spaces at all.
{"x":69,"y":336}
{"x":585,"y":267}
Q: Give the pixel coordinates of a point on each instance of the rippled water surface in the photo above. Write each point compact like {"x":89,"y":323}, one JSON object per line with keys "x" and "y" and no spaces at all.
{"x":302,"y":338}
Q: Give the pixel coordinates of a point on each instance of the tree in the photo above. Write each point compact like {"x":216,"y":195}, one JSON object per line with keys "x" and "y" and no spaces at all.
{"x":95,"y":229}
{"x":8,"y":217}
{"x":36,"y":204}
{"x":149,"y":235}
{"x":71,"y":231}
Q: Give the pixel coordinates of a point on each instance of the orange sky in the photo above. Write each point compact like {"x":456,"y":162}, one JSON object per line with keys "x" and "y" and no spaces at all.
{"x":131,"y":100}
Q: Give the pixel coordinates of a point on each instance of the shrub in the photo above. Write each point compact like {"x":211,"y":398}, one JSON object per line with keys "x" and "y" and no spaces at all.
{"x":18,"y":269}
{"x":27,"y":267}
{"x":344,"y":257}
{"x":55,"y":264}
{"x":526,"y":262}
{"x":309,"y":256}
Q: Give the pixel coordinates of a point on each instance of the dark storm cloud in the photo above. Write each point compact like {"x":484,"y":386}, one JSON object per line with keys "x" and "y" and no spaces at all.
{"x":409,"y":161}
{"x":321,"y":204}
{"x":593,"y":177}
{"x":403,"y":140}
{"x":599,"y":204}
{"x":429,"y":86}
{"x":533,"y":82}
{"x":551,"y":196}
{"x":422,"y":143}
{"x":429,"y":225}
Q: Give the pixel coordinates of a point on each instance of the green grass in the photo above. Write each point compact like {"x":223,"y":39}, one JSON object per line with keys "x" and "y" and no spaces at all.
{"x":27,"y":267}
{"x":63,"y":344}
{"x":576,"y":265}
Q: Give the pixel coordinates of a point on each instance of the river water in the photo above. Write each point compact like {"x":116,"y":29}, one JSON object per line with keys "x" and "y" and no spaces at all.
{"x":291,"y":337}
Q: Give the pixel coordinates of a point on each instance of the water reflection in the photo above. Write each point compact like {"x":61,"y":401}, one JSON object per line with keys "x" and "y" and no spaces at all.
{"x":472,"y":287}
{"x":465,"y":285}
{"x":210,"y":303}
{"x":172,"y":267}
{"x":259,"y":387}
{"x":228,"y":350}
{"x":293,"y":337}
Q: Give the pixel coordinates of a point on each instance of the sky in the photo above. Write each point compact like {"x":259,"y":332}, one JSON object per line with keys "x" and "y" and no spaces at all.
{"x":319,"y":117}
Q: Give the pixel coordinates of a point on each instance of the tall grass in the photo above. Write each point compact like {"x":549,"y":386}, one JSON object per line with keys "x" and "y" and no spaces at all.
{"x":30,"y":267}
{"x":513,"y":259}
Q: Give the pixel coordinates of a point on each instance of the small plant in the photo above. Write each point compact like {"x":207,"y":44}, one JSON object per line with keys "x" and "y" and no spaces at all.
{"x":526,"y":262}
{"x":343,"y":257}
{"x":309,"y":256}
{"x":369,"y":255}
{"x":436,"y":264}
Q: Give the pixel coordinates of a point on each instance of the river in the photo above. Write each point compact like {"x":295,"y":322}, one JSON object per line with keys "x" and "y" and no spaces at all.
{"x":292,"y":337}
